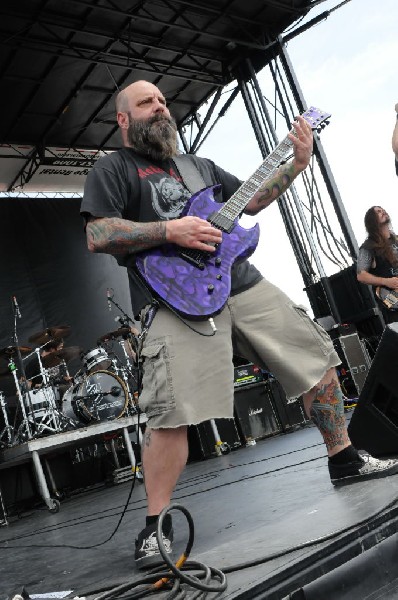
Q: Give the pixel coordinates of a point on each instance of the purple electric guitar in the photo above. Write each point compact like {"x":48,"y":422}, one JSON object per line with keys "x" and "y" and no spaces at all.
{"x":196,"y":283}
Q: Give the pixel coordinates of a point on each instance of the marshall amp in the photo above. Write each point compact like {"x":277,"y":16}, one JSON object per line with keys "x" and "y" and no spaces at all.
{"x":247,"y":374}
{"x":255,"y":413}
{"x":291,"y":414}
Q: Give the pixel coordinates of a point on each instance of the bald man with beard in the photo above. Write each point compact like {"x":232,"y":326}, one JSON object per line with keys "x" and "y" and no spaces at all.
{"x":188,"y":370}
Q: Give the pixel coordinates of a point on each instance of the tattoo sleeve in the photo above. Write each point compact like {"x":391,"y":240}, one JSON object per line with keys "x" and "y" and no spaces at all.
{"x":118,"y":236}
{"x":275,"y":186}
{"x":327,"y":413}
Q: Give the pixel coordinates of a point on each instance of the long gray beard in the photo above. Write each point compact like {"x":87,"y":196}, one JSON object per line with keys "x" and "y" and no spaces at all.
{"x":155,"y":138}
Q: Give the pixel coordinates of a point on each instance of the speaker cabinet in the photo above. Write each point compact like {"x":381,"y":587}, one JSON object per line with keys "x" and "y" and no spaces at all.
{"x":255,"y":413}
{"x":374,"y":422}
{"x":354,"y":301}
{"x":290,"y":414}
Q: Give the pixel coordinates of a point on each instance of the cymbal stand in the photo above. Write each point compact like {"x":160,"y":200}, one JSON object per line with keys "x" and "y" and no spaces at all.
{"x":12,"y":367}
{"x":52,"y":408}
{"x":8,"y":431}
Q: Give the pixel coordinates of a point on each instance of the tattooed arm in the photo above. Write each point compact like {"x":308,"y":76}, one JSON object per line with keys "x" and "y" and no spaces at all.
{"x":120,"y":237}
{"x":284,"y":176}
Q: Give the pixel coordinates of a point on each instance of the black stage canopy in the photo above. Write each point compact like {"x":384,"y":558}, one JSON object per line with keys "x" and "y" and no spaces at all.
{"x":61,"y":63}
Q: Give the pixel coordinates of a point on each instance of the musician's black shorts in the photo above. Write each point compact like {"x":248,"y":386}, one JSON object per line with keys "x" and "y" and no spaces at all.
{"x":188,"y":377}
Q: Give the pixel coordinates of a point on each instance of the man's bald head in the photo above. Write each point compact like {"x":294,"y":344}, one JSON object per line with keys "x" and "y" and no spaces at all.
{"x":129,"y":93}
{"x":145,"y":121}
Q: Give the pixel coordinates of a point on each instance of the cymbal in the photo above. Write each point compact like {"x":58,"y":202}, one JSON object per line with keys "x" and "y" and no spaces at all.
{"x":51,"y":333}
{"x":112,"y":335}
{"x":13,"y":350}
{"x":67,"y":354}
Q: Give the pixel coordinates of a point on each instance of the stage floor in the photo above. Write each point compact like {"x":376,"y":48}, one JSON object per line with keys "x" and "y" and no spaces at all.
{"x":246,"y":506}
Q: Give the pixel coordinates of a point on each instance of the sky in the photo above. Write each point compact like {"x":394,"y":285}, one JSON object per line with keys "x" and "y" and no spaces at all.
{"x":347,"y":66}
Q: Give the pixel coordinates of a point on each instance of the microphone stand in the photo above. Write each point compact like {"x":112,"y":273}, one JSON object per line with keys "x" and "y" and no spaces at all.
{"x":137,"y":341}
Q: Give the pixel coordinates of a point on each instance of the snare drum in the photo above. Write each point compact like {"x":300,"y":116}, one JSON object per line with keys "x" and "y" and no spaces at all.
{"x":41,"y":400}
{"x":96,"y":360}
{"x":100,"y":396}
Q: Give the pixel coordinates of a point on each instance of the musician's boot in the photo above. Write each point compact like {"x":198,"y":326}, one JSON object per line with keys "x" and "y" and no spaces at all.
{"x":360,"y":468}
{"x":147,"y":553}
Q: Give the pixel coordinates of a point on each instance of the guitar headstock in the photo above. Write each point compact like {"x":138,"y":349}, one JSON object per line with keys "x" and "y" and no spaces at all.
{"x":317,"y":118}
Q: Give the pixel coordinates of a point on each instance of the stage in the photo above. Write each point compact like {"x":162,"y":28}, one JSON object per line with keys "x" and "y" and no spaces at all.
{"x":259,"y":503}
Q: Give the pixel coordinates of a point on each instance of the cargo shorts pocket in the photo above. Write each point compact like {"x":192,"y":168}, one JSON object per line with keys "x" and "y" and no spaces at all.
{"x":157,"y":395}
{"x":318,"y":334}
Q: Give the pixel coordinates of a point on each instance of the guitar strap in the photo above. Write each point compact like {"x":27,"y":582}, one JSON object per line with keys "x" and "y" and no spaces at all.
{"x":190,"y":175}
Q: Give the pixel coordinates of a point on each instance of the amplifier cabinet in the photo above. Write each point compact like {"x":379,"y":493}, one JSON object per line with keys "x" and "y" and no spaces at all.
{"x":201,"y":440}
{"x":290,"y":414}
{"x":254,"y":412}
{"x":247,"y":374}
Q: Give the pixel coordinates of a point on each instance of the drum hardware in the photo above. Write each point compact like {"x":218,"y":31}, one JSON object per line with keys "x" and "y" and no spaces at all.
{"x":125,"y":370}
{"x":3,"y":521}
{"x":7,"y":435}
{"x":43,"y":416}
{"x":100,"y":396}
{"x":13,"y":369}
{"x":146,"y":317}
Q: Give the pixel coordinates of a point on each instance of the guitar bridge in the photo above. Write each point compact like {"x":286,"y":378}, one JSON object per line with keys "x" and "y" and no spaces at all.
{"x":197,"y":258}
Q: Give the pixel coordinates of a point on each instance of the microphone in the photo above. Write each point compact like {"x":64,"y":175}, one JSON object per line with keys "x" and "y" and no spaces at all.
{"x":16,"y":307}
{"x":115,"y":391}
{"x":109,"y":296}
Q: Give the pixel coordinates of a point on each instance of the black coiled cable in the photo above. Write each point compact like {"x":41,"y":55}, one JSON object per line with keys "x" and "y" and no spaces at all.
{"x":204,"y":579}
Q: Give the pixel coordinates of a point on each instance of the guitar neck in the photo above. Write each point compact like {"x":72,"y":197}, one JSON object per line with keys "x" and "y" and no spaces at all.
{"x":233,"y":208}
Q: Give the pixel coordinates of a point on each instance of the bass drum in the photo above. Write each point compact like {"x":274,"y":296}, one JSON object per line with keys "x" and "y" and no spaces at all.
{"x":101,"y":396}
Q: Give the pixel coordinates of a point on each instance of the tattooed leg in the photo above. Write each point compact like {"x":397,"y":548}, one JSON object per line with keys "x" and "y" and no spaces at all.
{"x":164,"y":455}
{"x":324,"y":404}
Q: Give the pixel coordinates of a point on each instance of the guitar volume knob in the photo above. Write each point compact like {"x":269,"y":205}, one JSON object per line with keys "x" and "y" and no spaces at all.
{"x":210,"y":288}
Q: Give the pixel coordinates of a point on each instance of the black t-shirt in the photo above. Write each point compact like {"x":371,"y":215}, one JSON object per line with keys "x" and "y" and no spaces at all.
{"x":126,"y":185}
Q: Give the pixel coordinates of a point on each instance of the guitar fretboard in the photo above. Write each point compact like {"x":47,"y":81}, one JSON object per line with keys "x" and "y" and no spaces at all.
{"x":233,"y":208}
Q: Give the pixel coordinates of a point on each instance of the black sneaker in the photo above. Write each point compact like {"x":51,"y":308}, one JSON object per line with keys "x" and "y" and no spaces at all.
{"x":147,"y":554}
{"x":367,"y":467}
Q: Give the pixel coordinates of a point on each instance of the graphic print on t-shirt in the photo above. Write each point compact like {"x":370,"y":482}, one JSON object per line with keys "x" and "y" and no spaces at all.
{"x":169,"y":197}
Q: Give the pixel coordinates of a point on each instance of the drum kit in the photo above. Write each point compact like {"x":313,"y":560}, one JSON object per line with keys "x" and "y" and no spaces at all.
{"x":51,"y":400}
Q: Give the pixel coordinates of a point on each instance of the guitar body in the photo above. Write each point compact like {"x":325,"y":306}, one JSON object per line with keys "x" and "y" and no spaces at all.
{"x":197,"y":291}
{"x":388,"y":297}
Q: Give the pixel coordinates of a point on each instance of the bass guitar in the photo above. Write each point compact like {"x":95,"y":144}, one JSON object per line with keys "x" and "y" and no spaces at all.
{"x":196,"y":283}
{"x":388,"y":297}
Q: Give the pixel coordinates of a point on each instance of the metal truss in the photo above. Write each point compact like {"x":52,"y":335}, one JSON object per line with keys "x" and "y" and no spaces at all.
{"x":313,"y":213}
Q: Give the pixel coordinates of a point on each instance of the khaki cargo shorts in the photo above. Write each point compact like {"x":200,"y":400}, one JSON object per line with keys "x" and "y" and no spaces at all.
{"x":188,"y":370}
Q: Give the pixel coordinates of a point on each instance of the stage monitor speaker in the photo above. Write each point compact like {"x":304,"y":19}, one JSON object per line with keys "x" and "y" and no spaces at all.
{"x":354,"y":301}
{"x":374,"y":422}
{"x":255,"y":413}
